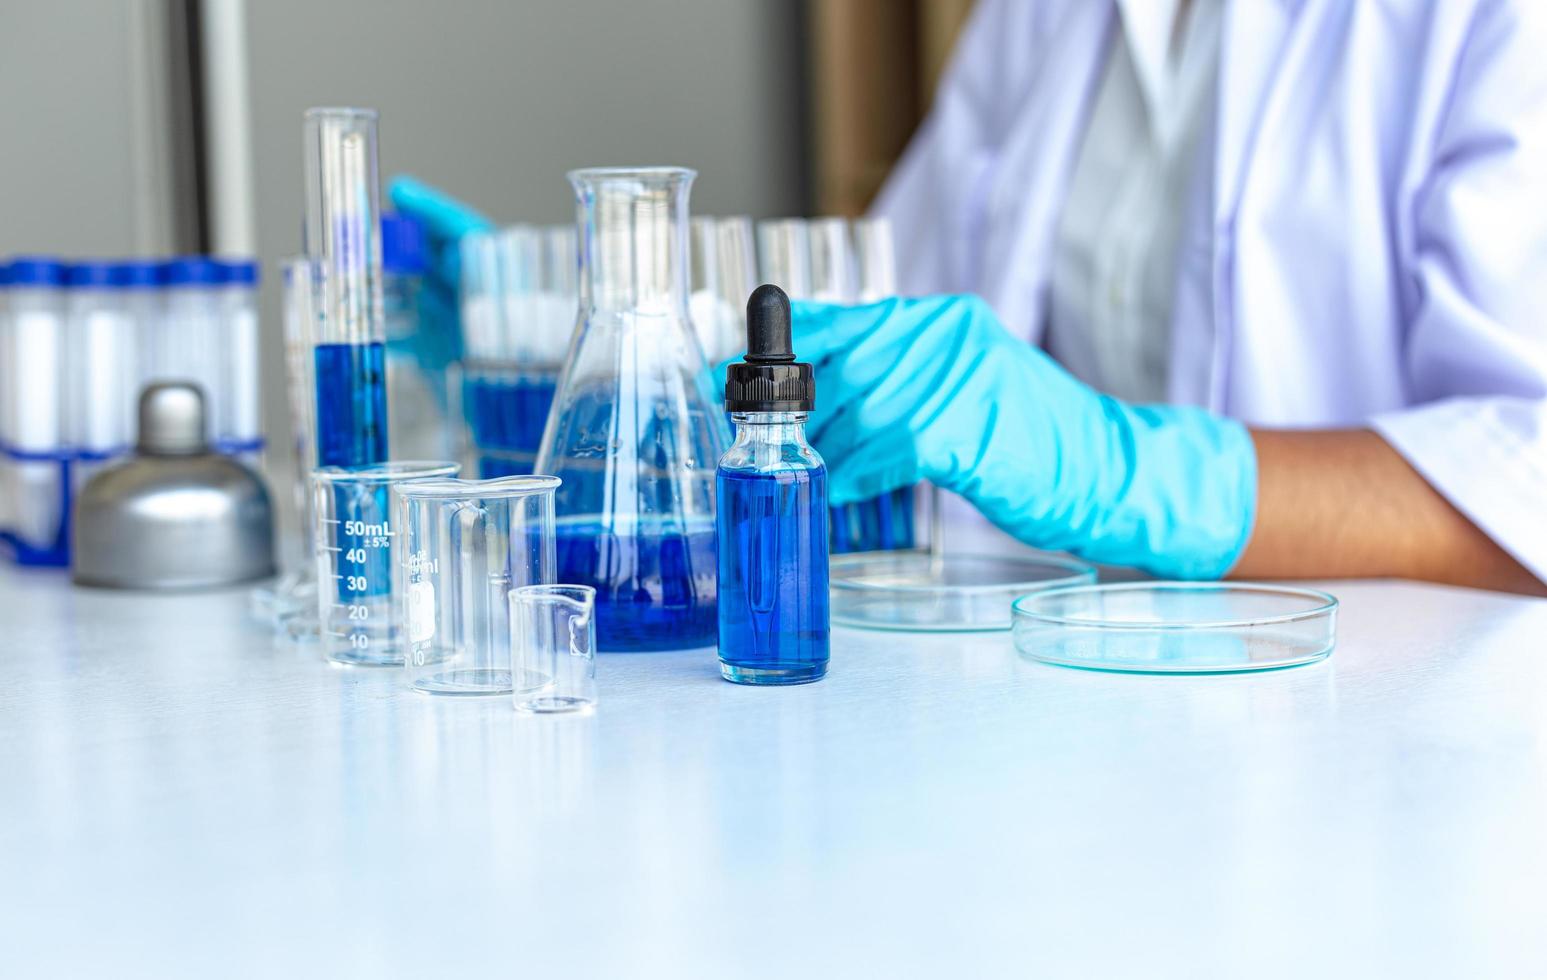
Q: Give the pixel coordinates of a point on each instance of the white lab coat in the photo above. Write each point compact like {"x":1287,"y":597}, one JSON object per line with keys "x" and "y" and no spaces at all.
{"x":1367,"y":246}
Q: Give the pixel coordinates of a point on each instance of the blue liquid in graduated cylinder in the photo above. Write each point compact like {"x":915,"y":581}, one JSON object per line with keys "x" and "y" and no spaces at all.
{"x":352,"y":431}
{"x":773,"y":615}
{"x":351,"y":404}
{"x":654,"y":582}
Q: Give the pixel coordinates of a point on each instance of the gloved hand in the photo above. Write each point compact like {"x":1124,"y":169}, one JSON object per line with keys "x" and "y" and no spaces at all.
{"x":445,"y":221}
{"x":937,"y":389}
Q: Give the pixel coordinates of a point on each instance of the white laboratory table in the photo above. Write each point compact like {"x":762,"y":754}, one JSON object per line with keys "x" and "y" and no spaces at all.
{"x":183,"y":796}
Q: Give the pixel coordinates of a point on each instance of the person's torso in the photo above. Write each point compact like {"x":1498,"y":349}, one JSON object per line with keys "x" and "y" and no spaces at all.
{"x":1289,"y":296}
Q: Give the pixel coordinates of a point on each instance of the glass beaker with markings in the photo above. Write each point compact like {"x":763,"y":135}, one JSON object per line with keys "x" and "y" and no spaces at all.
{"x":355,"y":533}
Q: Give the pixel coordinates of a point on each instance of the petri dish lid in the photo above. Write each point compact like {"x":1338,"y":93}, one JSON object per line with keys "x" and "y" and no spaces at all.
{"x":1176,"y":627}
{"x":914,"y":591}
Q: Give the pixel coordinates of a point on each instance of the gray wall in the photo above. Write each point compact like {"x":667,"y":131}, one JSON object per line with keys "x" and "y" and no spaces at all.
{"x":66,"y":176}
{"x":495,"y":100}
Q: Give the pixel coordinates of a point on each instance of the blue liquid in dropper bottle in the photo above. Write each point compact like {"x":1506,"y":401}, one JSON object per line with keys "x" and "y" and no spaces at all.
{"x":771,"y":508}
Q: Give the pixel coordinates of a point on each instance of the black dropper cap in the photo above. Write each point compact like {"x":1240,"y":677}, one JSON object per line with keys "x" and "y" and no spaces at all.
{"x":769,"y":379}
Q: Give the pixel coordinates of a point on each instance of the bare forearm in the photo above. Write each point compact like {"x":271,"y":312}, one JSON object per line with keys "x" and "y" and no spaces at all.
{"x":1340,"y":504}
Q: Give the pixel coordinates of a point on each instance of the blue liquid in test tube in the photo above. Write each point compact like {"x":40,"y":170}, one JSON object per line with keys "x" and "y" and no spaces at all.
{"x":883,"y":523}
{"x":507,"y":409}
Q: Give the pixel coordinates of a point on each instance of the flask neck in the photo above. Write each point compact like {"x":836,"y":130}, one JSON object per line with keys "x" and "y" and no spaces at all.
{"x":633,"y":239}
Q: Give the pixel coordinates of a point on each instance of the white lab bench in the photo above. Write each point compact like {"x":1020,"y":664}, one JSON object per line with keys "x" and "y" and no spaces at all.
{"x":183,"y":796}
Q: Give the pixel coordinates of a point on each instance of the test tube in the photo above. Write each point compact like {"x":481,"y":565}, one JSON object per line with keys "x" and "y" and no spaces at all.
{"x":481,"y":305}
{"x":875,"y":259}
{"x":560,"y":291}
{"x":738,"y":275}
{"x":239,"y":425}
{"x":102,"y":358}
{"x":33,"y":362}
{"x":141,"y":282}
{"x":343,"y":236}
{"x":784,"y":255}
{"x":191,"y":345}
{"x":722,"y":276}
{"x":832,"y":260}
{"x":518,"y":250}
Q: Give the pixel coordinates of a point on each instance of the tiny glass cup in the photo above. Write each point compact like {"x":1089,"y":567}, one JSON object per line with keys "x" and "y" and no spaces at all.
{"x":553,"y":648}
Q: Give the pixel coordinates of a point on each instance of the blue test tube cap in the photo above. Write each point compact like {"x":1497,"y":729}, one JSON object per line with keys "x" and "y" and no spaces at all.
{"x":239,"y":272}
{"x":90,"y":274}
{"x":36,"y":270}
{"x":192,"y":270}
{"x":402,"y":244}
{"x":137,"y":274}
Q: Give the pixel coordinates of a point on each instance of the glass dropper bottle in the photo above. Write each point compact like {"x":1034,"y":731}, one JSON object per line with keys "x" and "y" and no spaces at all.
{"x":771,"y":488}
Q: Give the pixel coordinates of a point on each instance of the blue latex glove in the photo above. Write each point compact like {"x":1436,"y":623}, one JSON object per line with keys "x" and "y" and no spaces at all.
{"x":445,"y":220}
{"x":937,"y":389}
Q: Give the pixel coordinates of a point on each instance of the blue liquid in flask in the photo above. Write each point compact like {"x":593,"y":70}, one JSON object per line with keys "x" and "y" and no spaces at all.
{"x":654,"y":581}
{"x":773,"y":607}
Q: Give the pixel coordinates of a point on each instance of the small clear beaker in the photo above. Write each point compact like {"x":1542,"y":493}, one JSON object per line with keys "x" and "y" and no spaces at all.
{"x":355,"y":532}
{"x":464,"y":545}
{"x":553,"y":648}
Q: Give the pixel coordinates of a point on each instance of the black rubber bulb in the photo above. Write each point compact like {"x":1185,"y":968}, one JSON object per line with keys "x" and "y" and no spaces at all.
{"x":769,"y":379}
{"x":768,"y":327}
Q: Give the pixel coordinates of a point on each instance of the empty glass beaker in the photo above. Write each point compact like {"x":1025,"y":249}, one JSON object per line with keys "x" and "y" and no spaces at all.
{"x":553,"y":648}
{"x":464,"y":545}
{"x":636,"y":430}
{"x":355,"y":533}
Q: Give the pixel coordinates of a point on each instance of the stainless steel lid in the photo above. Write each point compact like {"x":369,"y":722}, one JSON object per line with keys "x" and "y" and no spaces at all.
{"x":175,"y":515}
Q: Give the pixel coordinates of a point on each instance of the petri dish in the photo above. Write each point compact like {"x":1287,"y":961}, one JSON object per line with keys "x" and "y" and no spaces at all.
{"x":1176,"y":627}
{"x":917,"y":592}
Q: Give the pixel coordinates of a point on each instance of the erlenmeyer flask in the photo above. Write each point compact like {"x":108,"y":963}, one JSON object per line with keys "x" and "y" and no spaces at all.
{"x":635,"y":431}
